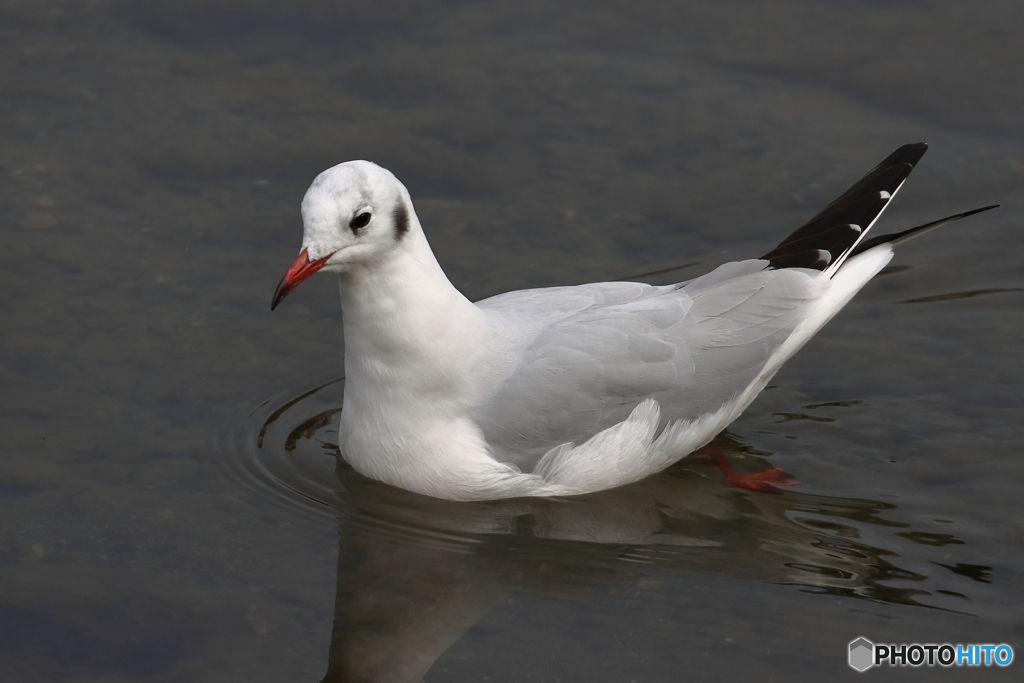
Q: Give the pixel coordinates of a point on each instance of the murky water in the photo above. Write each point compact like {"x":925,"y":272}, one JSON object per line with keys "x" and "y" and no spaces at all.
{"x":172,"y":506}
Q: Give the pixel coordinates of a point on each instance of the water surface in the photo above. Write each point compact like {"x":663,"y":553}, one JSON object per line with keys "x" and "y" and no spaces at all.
{"x":154,"y":157}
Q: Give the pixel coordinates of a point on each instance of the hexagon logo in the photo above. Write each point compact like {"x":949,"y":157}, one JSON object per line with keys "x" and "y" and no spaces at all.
{"x":862,"y":654}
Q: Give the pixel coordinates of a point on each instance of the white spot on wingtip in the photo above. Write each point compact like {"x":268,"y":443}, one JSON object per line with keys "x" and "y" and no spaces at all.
{"x":884,"y":195}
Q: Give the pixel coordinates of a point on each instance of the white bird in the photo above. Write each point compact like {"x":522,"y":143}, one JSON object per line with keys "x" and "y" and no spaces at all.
{"x":565,"y":390}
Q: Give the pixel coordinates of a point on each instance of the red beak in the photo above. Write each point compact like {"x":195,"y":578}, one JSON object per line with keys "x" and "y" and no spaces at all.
{"x":299,"y":271}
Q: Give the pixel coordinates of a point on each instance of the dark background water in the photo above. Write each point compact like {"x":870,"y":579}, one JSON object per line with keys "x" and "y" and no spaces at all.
{"x":154,"y":154}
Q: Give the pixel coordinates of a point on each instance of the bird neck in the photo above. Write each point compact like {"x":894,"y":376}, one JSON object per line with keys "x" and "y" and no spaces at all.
{"x":409,"y":333}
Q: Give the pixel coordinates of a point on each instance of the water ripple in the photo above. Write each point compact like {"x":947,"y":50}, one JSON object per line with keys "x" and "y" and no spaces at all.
{"x":285,"y":451}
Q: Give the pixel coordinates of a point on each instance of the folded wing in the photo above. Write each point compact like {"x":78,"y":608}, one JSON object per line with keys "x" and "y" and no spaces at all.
{"x":692,"y":347}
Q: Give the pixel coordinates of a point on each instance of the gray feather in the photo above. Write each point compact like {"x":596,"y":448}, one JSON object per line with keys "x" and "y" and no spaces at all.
{"x":693,"y":348}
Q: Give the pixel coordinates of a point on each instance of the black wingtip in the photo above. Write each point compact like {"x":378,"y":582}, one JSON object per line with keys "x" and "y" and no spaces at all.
{"x":859,"y":206}
{"x":907,"y":154}
{"x":904,"y":235}
{"x":965,"y":214}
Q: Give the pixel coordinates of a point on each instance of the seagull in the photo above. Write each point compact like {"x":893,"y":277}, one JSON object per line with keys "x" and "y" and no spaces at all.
{"x":563,"y":391}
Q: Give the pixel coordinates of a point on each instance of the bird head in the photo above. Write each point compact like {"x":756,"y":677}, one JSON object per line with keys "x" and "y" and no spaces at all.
{"x":353,"y":213}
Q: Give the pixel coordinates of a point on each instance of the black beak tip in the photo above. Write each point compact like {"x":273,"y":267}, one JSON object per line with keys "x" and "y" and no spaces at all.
{"x":280,"y":293}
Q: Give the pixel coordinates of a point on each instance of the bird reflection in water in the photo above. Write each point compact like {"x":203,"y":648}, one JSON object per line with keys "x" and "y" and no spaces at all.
{"x":415,"y":573}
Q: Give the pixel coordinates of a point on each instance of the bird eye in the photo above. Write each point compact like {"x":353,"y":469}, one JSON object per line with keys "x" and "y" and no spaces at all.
{"x":360,"y":221}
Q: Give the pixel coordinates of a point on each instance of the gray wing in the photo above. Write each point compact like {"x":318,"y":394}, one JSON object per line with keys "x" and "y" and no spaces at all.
{"x":589,"y":354}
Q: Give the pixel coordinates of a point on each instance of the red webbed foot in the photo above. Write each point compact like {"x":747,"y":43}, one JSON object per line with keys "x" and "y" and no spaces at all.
{"x":764,"y":481}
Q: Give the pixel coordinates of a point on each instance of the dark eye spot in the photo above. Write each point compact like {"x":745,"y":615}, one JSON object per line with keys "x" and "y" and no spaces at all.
{"x":360,"y":222}
{"x":401,"y":217}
